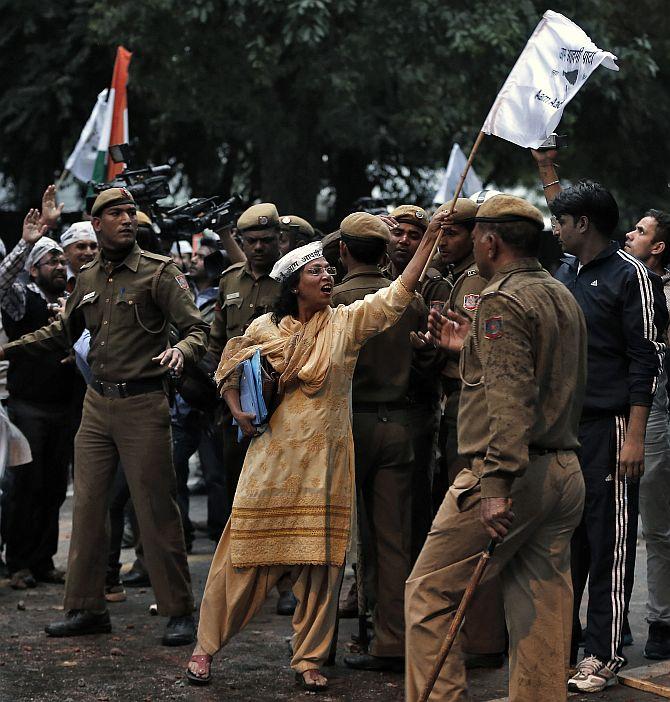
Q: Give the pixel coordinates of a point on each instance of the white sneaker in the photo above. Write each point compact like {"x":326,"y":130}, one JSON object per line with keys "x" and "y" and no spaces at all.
{"x":592,"y":676}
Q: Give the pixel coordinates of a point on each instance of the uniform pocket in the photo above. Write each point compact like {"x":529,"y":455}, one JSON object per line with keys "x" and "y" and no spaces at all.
{"x":233,"y":310}
{"x":465,"y":489}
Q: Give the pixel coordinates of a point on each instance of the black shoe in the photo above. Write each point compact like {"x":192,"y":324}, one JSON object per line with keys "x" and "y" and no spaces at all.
{"x":657,"y":647}
{"x":54,"y":575}
{"x":136,"y":579}
{"x":484,"y":660}
{"x":180,"y":631}
{"x":366,"y":661}
{"x":286,"y":604}
{"x":79,"y":622}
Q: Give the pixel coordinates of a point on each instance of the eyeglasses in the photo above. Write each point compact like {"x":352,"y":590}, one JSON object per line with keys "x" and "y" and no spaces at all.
{"x":53,"y":262}
{"x":317,"y":270}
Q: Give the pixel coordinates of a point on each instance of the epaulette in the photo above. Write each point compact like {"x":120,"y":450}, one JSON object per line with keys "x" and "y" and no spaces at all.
{"x":234,"y":267}
{"x":155,"y":256}
{"x":433,"y":274}
{"x":89,"y":264}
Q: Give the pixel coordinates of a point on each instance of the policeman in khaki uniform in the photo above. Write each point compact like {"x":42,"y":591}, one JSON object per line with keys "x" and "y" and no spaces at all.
{"x":484,"y":641}
{"x":246,"y":291}
{"x":294,"y":231}
{"x":383,"y":446}
{"x":412,"y":223}
{"x":125,"y":297}
{"x":523,"y":366}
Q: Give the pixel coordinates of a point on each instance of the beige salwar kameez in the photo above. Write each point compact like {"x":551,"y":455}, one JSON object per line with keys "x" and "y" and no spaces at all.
{"x":292,"y":511}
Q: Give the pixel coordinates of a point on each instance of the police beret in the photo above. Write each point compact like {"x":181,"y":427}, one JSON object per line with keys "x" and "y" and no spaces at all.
{"x":300,"y":226}
{"x":465,"y":209}
{"x":261,"y":216}
{"x":362,"y":225}
{"x":109,"y":197}
{"x":330,"y":239}
{"x":143,"y":220}
{"x":509,"y":208}
{"x":411,"y":214}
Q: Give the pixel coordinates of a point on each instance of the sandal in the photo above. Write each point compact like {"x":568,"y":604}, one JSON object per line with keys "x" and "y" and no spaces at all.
{"x":204,"y":662}
{"x":309,"y":686}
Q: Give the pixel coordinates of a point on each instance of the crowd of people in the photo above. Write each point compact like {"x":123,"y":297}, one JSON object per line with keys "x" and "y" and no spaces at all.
{"x":431,"y":387}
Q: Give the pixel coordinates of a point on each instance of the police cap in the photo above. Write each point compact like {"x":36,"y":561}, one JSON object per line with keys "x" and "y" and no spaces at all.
{"x":465,"y":210}
{"x":411,"y":214}
{"x":261,"y":216}
{"x":109,"y":197}
{"x":509,"y":208}
{"x":362,"y":225}
{"x":300,"y":226}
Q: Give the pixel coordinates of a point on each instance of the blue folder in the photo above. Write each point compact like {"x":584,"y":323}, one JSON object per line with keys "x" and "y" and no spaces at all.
{"x":251,"y":393}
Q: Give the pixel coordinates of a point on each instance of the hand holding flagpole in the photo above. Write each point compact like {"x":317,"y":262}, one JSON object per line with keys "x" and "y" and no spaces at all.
{"x":555,"y":63}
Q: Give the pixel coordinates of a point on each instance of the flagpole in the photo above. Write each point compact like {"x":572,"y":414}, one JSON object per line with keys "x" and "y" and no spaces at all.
{"x":459,"y":187}
{"x":63,"y":175}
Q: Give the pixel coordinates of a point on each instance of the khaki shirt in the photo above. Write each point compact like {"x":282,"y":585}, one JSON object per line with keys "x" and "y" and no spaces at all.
{"x":126,"y":307}
{"x":434,"y":287}
{"x":523,"y":371}
{"x":464,"y":298}
{"x":385,"y":362}
{"x":242,"y":298}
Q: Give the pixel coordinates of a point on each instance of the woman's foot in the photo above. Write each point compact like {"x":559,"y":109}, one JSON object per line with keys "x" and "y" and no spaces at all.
{"x":198,"y":670}
{"x":312,"y":680}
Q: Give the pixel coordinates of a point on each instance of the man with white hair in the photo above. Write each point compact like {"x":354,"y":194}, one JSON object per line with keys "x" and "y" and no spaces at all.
{"x":40,"y":398}
{"x":80,"y":245}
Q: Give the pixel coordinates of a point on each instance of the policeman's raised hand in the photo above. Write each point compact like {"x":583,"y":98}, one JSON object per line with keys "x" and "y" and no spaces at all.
{"x":497,"y":516}
{"x":245,"y":421}
{"x":33,"y":231}
{"x":449,"y":330}
{"x":631,"y":459}
{"x":172,"y":358}
{"x":390,"y":222}
{"x":51,"y":212}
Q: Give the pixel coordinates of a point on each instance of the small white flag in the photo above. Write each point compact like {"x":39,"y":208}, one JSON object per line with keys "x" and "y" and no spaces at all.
{"x":455,"y":167}
{"x":556,"y":62}
{"x":82,"y":159}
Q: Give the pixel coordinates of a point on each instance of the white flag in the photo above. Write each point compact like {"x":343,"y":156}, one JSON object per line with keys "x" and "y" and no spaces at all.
{"x":553,"y":66}
{"x":82,"y":159}
{"x":455,"y":167}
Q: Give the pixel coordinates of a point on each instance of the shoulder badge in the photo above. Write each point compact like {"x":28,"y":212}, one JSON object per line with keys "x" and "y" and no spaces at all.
{"x":493,"y":327}
{"x":471,"y":271}
{"x":181,"y":279}
{"x":471,"y":301}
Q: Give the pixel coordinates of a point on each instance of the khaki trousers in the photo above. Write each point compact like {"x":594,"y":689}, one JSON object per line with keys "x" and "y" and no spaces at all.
{"x":484,"y":629}
{"x":384,"y":471}
{"x":136,"y":431}
{"x":534,"y":566}
{"x":234,"y":595}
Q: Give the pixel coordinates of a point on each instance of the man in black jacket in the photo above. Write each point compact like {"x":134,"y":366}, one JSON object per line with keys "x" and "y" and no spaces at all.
{"x":626,"y":317}
{"x":40,"y":405}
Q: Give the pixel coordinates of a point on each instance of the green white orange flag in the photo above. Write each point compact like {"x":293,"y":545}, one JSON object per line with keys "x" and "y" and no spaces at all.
{"x":108,"y":124}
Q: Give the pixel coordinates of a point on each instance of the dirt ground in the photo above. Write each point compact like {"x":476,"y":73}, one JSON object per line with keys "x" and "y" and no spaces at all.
{"x":130,"y":664}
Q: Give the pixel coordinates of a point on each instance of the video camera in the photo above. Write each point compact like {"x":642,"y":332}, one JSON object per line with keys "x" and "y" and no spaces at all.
{"x":197,"y":214}
{"x":147,"y":185}
{"x":150,"y":184}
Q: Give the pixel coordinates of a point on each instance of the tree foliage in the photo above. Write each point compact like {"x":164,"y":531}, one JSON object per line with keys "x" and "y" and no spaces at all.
{"x":278,"y":98}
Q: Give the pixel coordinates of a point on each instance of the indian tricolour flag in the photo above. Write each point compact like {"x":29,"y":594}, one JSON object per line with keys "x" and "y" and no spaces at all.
{"x":108,"y":124}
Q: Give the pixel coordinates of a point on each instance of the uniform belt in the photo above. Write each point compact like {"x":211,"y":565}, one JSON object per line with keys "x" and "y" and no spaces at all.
{"x":376,"y":406}
{"x":128,"y":388}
